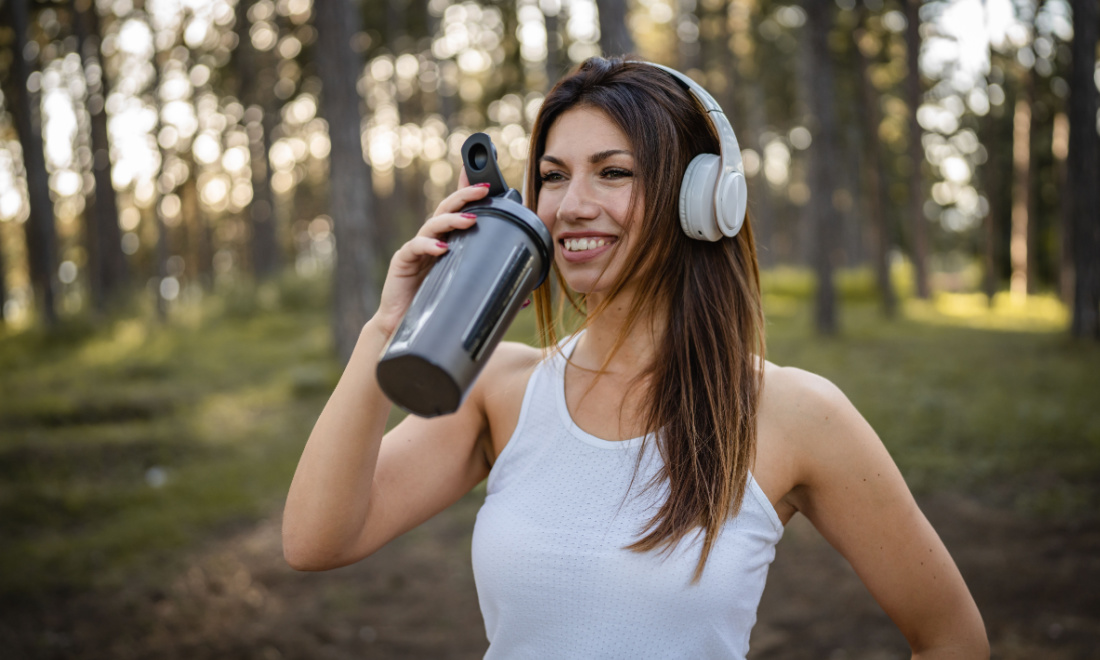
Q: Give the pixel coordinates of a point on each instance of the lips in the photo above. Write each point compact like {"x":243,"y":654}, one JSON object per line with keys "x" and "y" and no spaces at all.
{"x":584,"y":247}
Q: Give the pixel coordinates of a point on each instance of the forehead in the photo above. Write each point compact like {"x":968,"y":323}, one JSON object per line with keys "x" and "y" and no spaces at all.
{"x":582,"y":131}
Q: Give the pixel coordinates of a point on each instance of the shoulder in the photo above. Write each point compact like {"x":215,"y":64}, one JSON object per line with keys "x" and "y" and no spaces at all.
{"x":815,"y":421}
{"x":508,"y":369}
{"x":800,"y":400}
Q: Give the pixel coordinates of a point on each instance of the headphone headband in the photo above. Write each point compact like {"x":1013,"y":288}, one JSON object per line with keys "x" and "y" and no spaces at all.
{"x":729,"y":184}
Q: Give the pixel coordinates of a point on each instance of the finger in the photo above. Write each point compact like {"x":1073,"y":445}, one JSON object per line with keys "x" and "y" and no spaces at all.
{"x":461,"y":197}
{"x":413,"y":252}
{"x":463,"y":180}
{"x":438,"y":226}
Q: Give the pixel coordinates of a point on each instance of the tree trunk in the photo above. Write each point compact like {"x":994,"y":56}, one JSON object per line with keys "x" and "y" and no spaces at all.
{"x":357,"y":285}
{"x":201,"y":254}
{"x":689,"y":52}
{"x":876,"y":193}
{"x":108,"y":270}
{"x":41,"y":233}
{"x":256,"y":74}
{"x":1084,"y":171}
{"x":1059,"y":144}
{"x":916,"y":150}
{"x":615,"y":36}
{"x":825,"y":220}
{"x":162,"y":249}
{"x":991,"y":185}
{"x":1021,"y":194}
{"x":554,"y":44}
{"x":3,"y":278}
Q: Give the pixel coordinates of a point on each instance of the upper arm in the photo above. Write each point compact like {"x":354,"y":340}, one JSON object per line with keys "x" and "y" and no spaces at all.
{"x":854,"y":494}
{"x":425,"y":465}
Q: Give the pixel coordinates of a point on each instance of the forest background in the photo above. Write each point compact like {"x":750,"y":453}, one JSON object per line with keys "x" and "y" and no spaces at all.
{"x":198,"y":200}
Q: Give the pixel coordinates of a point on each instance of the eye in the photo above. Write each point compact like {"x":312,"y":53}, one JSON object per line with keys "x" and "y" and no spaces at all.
{"x":616,"y":173}
{"x":548,"y":177}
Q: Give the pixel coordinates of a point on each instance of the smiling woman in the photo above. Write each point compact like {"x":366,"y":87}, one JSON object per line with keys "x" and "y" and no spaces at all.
{"x":639,"y":472}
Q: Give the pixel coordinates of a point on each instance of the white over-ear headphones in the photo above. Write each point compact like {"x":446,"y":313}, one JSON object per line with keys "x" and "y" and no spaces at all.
{"x":713,"y":194}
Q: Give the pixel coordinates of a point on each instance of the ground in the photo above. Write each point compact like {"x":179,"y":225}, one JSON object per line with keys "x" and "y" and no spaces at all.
{"x":1034,"y":581}
{"x":143,"y":467}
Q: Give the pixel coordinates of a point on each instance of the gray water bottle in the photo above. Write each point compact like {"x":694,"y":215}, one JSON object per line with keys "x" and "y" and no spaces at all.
{"x":470,"y":296}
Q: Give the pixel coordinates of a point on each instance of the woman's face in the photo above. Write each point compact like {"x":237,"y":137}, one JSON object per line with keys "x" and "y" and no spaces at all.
{"x":587,"y":174}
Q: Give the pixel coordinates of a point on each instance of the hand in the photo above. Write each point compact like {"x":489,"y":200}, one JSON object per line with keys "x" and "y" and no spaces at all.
{"x":411,"y":263}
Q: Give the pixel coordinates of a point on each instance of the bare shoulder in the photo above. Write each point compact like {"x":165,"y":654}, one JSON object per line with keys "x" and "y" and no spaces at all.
{"x":800,"y":401}
{"x":816,"y":423}
{"x":504,"y":378}
{"x":510,"y":360}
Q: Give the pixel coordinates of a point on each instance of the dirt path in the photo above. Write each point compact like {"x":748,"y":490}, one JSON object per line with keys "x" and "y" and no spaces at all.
{"x":1036,"y":584}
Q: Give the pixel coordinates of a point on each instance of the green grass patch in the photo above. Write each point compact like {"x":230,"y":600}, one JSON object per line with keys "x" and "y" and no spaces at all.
{"x":122,"y":446}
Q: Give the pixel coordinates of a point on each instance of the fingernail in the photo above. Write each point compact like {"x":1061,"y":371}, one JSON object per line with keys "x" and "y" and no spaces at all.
{"x":525,"y":304}
{"x":482,"y":185}
{"x":441,"y":244}
{"x":468,"y":215}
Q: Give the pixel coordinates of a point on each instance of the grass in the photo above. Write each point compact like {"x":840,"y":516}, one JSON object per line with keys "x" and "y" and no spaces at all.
{"x":123,"y":445}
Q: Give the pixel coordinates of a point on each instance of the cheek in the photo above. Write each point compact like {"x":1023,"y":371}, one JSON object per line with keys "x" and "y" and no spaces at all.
{"x":547,"y":209}
{"x":621,"y":210}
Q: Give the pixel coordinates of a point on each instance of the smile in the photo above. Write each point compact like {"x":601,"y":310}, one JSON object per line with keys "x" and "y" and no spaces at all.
{"x":585,"y":244}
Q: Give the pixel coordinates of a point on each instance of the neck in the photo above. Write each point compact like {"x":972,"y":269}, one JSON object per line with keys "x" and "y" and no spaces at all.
{"x":638,"y":348}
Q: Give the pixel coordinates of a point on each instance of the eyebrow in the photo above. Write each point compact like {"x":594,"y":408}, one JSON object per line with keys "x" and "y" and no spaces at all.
{"x":594,"y":158}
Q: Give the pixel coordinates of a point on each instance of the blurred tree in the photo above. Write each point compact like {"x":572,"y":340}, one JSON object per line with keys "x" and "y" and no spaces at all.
{"x":689,"y":53}
{"x":256,"y":73}
{"x":1020,"y":253}
{"x":41,"y":234}
{"x":876,"y":188}
{"x":917,"y":221}
{"x":107,"y":268}
{"x":991,"y":183}
{"x":351,"y":204}
{"x":555,"y":62}
{"x":162,"y":251}
{"x":3,"y":280}
{"x":615,"y":38}
{"x":1084,"y":171}
{"x":825,"y":222}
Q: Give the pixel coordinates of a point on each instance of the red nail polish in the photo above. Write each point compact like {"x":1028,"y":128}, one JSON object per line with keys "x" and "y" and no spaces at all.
{"x":441,"y":244}
{"x":482,"y":185}
{"x":525,"y":304}
{"x":468,"y":215}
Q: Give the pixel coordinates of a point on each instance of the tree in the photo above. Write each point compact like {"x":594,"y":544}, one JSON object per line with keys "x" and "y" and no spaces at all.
{"x":256,"y":73}
{"x":356,"y":287}
{"x":108,"y":270}
{"x":1084,"y":171}
{"x":870,"y":119}
{"x":40,"y":230}
{"x":615,"y":36}
{"x":825,"y":220}
{"x":916,"y":150}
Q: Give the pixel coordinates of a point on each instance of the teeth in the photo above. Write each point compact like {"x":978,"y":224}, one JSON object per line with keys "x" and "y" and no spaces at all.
{"x":582,"y":244}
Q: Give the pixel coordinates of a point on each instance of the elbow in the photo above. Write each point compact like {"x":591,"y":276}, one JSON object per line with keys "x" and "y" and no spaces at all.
{"x":973,"y":646}
{"x":302,"y":554}
{"x":305,"y":553}
{"x":302,"y":558}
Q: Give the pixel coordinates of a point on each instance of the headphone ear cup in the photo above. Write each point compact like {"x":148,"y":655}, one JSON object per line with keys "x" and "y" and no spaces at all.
{"x":697,"y":198}
{"x":732,"y":198}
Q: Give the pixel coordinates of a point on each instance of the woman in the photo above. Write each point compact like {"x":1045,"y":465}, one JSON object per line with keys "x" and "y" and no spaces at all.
{"x":640,"y":472}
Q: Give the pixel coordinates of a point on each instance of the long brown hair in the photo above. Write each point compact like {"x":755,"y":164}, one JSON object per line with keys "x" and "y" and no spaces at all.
{"x":705,"y":381}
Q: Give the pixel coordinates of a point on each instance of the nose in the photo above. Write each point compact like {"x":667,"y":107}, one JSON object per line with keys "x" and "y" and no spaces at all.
{"x":578,"y":203}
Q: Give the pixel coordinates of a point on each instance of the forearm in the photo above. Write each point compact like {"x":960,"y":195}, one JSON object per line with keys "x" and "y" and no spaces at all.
{"x":329,"y":498}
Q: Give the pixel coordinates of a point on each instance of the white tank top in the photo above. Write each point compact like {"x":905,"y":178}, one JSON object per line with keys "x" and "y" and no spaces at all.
{"x":554,"y":579}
